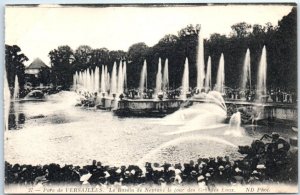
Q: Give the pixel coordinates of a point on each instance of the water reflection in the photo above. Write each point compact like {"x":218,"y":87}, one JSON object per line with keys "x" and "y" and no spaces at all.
{"x":16,"y":118}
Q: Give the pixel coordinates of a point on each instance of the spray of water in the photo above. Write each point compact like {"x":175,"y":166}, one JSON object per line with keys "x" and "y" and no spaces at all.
{"x":221,"y":75}
{"x":103,"y":88}
{"x":7,"y":96}
{"x":199,"y":116}
{"x":166,"y":76}
{"x":124,"y":75}
{"x":200,"y":62}
{"x":16,"y":88}
{"x":185,"y":79}
{"x":235,"y":128}
{"x":246,"y":77}
{"x":143,"y":78}
{"x":208,"y":75}
{"x":158,"y":78}
{"x":262,"y":75}
{"x":97,"y":79}
{"x":113,"y":85}
{"x":120,"y":78}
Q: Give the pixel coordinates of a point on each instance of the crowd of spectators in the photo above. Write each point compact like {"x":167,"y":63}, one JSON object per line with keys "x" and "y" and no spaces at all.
{"x":205,"y":172}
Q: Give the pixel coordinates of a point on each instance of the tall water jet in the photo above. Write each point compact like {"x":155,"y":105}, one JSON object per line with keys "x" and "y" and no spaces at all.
{"x":16,"y":88}
{"x":80,"y":80}
{"x":106,"y":79}
{"x":185,"y":79}
{"x":120,"y":79}
{"x":97,"y":79}
{"x":77,"y":79}
{"x":103,"y":89}
{"x":208,"y":75}
{"x":7,"y":96}
{"x":108,"y":84}
{"x":74,"y":82}
{"x":88,"y":80}
{"x":113,"y":83}
{"x":221,"y":75}
{"x":158,"y":78}
{"x":166,"y":76}
{"x":200,"y":61}
{"x":124,"y":76}
{"x":246,"y":76}
{"x":92,"y":79}
{"x":262,"y":75}
{"x":143,"y":78}
{"x":84,"y":78}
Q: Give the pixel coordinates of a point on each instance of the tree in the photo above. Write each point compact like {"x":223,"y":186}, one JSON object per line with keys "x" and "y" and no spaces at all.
{"x":241,"y":29}
{"x":62,"y":60}
{"x":82,"y":55}
{"x":44,"y":76}
{"x":14,"y":61}
{"x":137,"y":53}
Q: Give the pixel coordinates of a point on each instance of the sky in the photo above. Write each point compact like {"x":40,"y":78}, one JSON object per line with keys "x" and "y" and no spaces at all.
{"x":38,"y":30}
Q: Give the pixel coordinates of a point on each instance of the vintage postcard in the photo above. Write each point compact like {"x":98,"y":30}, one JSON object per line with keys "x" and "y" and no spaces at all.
{"x":151,"y":98}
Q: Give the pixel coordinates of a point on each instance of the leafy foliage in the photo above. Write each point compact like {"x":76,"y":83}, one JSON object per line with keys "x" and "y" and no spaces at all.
{"x":14,"y":61}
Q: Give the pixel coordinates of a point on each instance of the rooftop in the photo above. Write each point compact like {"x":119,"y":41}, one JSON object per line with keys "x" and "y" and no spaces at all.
{"x":37,"y":64}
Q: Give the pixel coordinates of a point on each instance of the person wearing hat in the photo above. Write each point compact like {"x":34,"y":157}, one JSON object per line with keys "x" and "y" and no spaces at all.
{"x":127,"y":178}
{"x":177,"y":178}
{"x":162,"y":182}
{"x":201,"y":181}
{"x":254,"y":178}
{"x":220,"y":176}
{"x":208,"y":181}
{"x":238,"y":176}
{"x":192,"y":177}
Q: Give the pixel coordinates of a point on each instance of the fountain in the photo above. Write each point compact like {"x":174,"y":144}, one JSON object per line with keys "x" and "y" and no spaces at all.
{"x":16,"y":88}
{"x":124,"y":76}
{"x":208,"y":75}
{"x":166,"y":76}
{"x":74,"y":82}
{"x":103,"y":88}
{"x":92,"y":81}
{"x":113,"y":85}
{"x":106,"y":80}
{"x":235,"y":128}
{"x":143,"y":79}
{"x":85,"y":83}
{"x":120,"y":79}
{"x":246,"y":76}
{"x":7,"y":96}
{"x":209,"y":114}
{"x":221,"y":75}
{"x":193,"y":125}
{"x":108,"y":84}
{"x":262,"y":77}
{"x":185,"y":79}
{"x":97,"y":79}
{"x":200,"y":62}
{"x":158,"y":79}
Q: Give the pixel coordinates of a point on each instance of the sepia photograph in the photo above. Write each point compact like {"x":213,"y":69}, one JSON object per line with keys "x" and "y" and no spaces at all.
{"x":150,"y":98}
